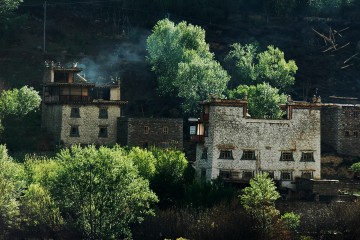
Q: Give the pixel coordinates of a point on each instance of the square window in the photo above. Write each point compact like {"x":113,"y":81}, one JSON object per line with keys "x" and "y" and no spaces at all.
{"x":356,"y":134}
{"x":146,"y":129}
{"x":286,"y":156}
{"x":226,"y":154}
{"x":307,"y":157}
{"x":247,"y":175}
{"x":204,"y":153}
{"x":74,"y":131}
{"x":224,"y":174}
{"x":165,"y":130}
{"x":286,"y":176}
{"x":103,"y":132}
{"x":248,"y":155}
{"x":356,"y":114}
{"x":347,"y":134}
{"x":270,"y":174}
{"x":307,"y":174}
{"x":75,"y":112}
{"x":103,"y":113}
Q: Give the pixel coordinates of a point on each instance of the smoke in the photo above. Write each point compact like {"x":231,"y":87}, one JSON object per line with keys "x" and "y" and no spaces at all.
{"x":111,"y":63}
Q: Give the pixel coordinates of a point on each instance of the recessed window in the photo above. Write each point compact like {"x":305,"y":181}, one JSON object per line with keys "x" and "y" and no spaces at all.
{"x":248,"y":155}
{"x":103,"y":131}
{"x":287,"y":156}
{"x":165,"y":130}
{"x":75,"y":112}
{"x":247,"y":175}
{"x":204,"y":153}
{"x":206,"y":129}
{"x":103,"y":113}
{"x":146,"y":129}
{"x":356,"y":134}
{"x":74,"y":131}
{"x":224,"y":174}
{"x":356,"y":114}
{"x":270,"y":174}
{"x":226,"y":154}
{"x":286,"y":176}
{"x":307,"y":174}
{"x":347,"y":134}
{"x":203,"y":173}
{"x":307,"y":157}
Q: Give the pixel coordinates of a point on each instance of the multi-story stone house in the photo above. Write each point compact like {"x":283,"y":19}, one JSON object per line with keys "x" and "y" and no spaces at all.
{"x":340,"y":128}
{"x":151,"y":132}
{"x":75,"y":111}
{"x":233,"y":146}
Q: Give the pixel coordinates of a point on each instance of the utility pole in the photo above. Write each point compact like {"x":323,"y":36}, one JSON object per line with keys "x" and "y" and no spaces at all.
{"x":44,"y":26}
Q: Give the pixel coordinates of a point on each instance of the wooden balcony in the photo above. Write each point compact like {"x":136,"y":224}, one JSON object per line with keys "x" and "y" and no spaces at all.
{"x":197,"y":138}
{"x":68,"y":99}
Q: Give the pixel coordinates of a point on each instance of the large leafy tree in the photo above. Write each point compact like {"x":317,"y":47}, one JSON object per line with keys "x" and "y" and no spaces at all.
{"x":185,"y":67}
{"x":267,"y":66}
{"x":8,"y":6}
{"x":263,"y":100}
{"x":102,"y":191}
{"x":12,"y":183}
{"x":259,"y":201}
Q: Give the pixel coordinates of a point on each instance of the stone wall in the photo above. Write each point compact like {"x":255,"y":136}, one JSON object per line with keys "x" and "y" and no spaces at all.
{"x":89,"y":125}
{"x":229,"y":130}
{"x":146,"y":132}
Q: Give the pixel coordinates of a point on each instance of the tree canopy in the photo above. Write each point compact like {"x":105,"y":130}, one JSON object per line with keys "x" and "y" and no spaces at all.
{"x":8,"y":5}
{"x":185,"y":67}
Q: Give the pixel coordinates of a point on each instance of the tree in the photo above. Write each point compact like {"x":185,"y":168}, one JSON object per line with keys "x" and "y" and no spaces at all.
{"x":185,"y":67}
{"x":144,"y":160}
{"x":263,"y":100}
{"x":8,"y":6}
{"x":102,"y":191}
{"x":269,"y":66}
{"x":19,"y":101}
{"x":291,"y":220}
{"x":259,"y":201}
{"x":355,"y":167}
{"x":12,"y":184}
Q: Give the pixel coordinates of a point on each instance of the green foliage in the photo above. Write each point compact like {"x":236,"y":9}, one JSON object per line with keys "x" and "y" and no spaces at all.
{"x":291,"y":220}
{"x":12,"y":183}
{"x":268,"y":66}
{"x":8,"y":6}
{"x":259,"y":201}
{"x":144,"y":160}
{"x":263,"y":100}
{"x":19,"y":101}
{"x":185,"y":67}
{"x":102,"y":191}
{"x":40,"y":214}
{"x":355,"y":167}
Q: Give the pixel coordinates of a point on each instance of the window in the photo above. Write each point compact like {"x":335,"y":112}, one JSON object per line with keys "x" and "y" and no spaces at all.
{"x":247,"y":175}
{"x":270,"y":174}
{"x":204,"y":153}
{"x":307,"y":174}
{"x":103,"y":113}
{"x":286,"y":176}
{"x":203,"y":173}
{"x":165,"y":130}
{"x":286,"y":156}
{"x":74,"y":131}
{"x":103,"y":131}
{"x":356,"y":134}
{"x":226,"y":154}
{"x":347,"y":134}
{"x":356,"y":114}
{"x":224,"y":174}
{"x":248,"y":155}
{"x":146,"y":129}
{"x":307,"y":157}
{"x":165,"y":144}
{"x":75,"y":113}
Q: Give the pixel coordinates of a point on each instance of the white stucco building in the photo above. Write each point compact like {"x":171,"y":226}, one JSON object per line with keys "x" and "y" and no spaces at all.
{"x":235,"y":147}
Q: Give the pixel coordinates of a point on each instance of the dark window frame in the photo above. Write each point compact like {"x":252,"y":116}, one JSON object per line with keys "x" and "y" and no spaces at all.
{"x":307,"y":157}
{"x":287,"y":156}
{"x":75,"y":112}
{"x":225,"y":174}
{"x":347,"y":133}
{"x":226,"y":154}
{"x":248,"y":155}
{"x":103,"y":131}
{"x":286,"y":175}
{"x":103,"y":113}
{"x":74,"y":131}
{"x":165,"y":130}
{"x":146,"y":129}
{"x":304,"y":174}
{"x":247,"y":175}
{"x":204,"y":154}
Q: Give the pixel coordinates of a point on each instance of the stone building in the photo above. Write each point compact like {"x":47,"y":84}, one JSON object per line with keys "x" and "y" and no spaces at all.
{"x":75,"y":111}
{"x":340,"y":128}
{"x":147,"y":132}
{"x":235,"y":147}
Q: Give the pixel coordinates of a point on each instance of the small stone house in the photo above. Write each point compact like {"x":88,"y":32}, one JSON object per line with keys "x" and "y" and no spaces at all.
{"x":235,"y":147}
{"x":148,"y":132}
{"x":75,"y":111}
